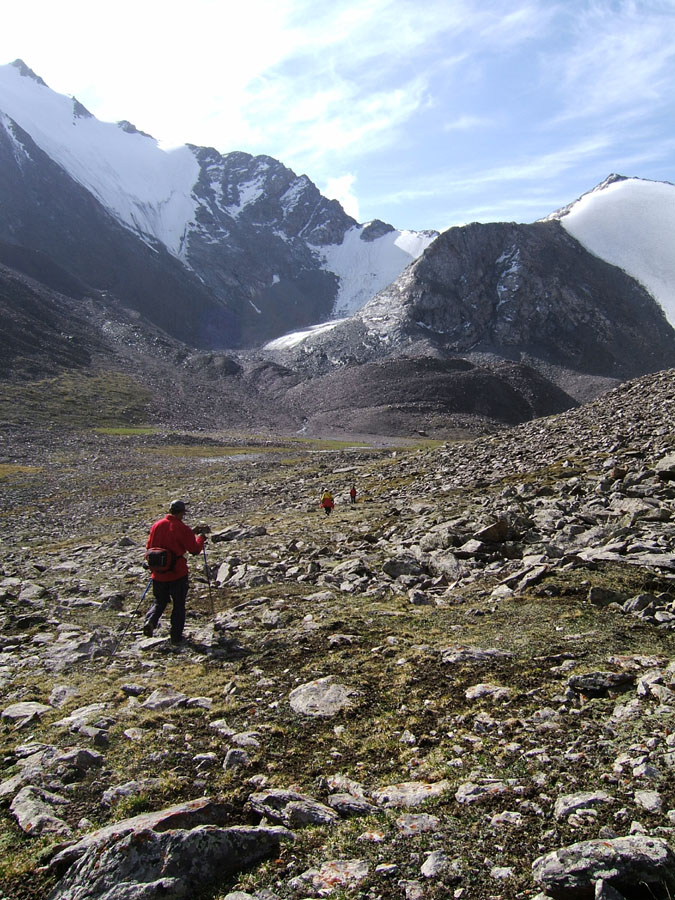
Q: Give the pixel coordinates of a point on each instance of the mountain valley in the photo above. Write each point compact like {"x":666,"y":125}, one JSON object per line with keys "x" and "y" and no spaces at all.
{"x":461,"y":684}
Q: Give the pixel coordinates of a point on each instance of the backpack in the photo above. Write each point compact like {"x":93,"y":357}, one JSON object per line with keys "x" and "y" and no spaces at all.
{"x":160,"y":560}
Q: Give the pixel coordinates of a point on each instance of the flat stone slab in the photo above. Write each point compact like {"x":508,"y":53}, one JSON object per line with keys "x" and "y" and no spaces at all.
{"x":323,"y":697}
{"x":334,"y":874}
{"x":34,"y":811}
{"x":409,"y":793}
{"x":569,"y":803}
{"x":17,"y":712}
{"x":202,"y":811}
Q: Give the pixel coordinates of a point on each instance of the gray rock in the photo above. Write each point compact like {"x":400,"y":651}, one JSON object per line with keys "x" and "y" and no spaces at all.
{"x":61,"y":694}
{"x":176,"y":864}
{"x":455,"y":655}
{"x":650,"y":801}
{"x":665,"y":468}
{"x":202,"y":811}
{"x":349,"y":805}
{"x":129,"y":789}
{"x":490,"y":691}
{"x":569,"y":803}
{"x":19,"y":712}
{"x":469,"y":792}
{"x":435,"y":864}
{"x":625,"y":863}
{"x":78,"y":761}
{"x":236,"y":758}
{"x":290,"y":807}
{"x":600,"y":684}
{"x":323,"y":697}
{"x":404,"y":565}
{"x":417,"y":823}
{"x":84,"y":715}
{"x":33,"y":810}
{"x":334,"y":874}
{"x":309,"y":812}
{"x":409,"y":793}
{"x":165,"y":698}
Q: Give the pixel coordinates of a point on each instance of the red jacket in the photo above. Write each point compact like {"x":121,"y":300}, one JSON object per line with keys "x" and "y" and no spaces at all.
{"x":170,"y":533}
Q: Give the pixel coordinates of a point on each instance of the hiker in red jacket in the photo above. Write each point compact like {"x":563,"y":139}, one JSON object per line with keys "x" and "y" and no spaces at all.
{"x":172,"y":534}
{"x":327,"y":502}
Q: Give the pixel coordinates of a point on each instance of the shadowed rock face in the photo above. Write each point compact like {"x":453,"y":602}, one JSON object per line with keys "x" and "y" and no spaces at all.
{"x":636,"y":866}
{"x":527,"y":293}
{"x":530,"y":291}
{"x":245,"y":275}
{"x":174,"y":863}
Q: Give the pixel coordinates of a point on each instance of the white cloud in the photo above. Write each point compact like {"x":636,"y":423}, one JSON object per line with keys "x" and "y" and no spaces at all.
{"x":466,"y":123}
{"x":341,"y":189}
{"x":620,"y":59}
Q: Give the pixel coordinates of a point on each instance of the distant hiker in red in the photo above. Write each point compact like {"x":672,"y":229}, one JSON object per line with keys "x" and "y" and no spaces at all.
{"x":327,"y":502}
{"x":352,"y":494}
{"x":172,"y":534}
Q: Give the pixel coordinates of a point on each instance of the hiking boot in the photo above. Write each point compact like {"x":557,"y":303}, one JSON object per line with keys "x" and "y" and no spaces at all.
{"x":148,"y":629}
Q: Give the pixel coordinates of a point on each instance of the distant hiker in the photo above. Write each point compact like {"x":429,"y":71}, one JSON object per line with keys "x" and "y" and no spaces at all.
{"x":327,"y":502}
{"x":170,"y":580}
{"x":352,"y":494}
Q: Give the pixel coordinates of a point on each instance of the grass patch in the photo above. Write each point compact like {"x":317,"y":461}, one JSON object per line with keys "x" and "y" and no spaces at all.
{"x":127,"y":431}
{"x":9,"y":469}
{"x":108,"y":398}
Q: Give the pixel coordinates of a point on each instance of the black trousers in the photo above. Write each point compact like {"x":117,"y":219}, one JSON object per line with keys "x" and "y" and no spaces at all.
{"x":163,"y":591}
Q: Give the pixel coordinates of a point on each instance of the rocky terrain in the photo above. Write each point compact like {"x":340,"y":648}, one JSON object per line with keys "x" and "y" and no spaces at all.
{"x":461,"y":685}
{"x":95,"y":350}
{"x":492,"y":292}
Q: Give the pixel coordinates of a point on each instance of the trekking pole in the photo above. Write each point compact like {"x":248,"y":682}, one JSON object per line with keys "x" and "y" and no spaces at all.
{"x":126,"y":627}
{"x":208,"y":580}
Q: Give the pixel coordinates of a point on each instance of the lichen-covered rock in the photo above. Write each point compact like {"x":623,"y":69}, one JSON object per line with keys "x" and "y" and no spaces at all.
{"x":627,"y":864}
{"x":176,"y":864}
{"x":323,"y":697}
{"x":409,"y":793}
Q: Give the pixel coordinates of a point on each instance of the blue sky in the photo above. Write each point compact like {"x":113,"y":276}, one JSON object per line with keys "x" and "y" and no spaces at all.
{"x":424,"y":113}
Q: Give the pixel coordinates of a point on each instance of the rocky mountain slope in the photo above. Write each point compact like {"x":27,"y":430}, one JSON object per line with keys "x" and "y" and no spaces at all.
{"x":528,"y":293}
{"x":93,"y":347}
{"x":218,"y":250}
{"x":461,"y":685}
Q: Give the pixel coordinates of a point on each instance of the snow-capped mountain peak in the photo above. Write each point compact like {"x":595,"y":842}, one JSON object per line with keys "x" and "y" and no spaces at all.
{"x":146,"y":188}
{"x":261,"y":240}
{"x":630,"y":222}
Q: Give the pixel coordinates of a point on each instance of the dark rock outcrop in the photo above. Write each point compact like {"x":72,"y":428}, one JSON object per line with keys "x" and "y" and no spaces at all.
{"x":525,"y":293}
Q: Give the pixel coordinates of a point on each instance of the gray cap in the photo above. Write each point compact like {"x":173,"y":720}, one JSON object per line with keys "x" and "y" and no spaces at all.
{"x":177,"y":506}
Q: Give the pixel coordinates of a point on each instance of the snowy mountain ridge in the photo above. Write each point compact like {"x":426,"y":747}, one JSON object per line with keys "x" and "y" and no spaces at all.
{"x":630,"y":223}
{"x":189,"y":197}
{"x":146,"y":188}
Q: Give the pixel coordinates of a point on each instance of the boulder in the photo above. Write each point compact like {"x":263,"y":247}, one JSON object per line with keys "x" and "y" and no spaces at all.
{"x":202,"y":811}
{"x":600,"y":684}
{"x":627,"y":864}
{"x":409,"y":793}
{"x":323,"y":697}
{"x":33,"y":810}
{"x":291,"y":808}
{"x":176,"y":864}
